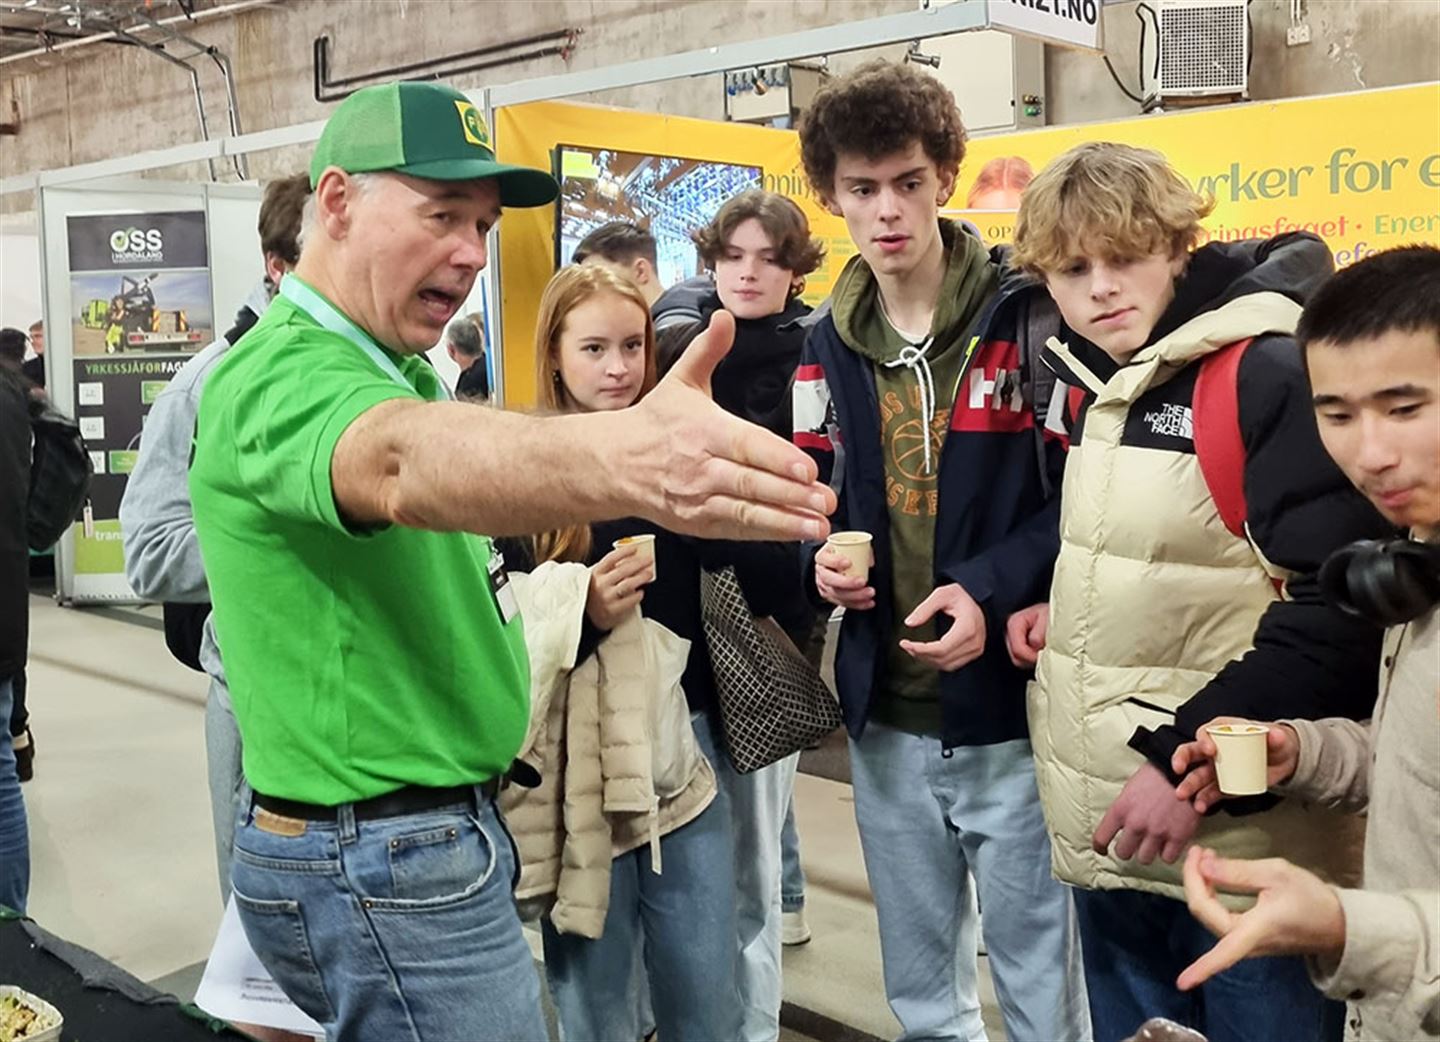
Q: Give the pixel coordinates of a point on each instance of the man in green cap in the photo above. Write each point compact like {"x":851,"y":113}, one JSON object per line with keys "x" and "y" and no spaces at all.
{"x":375,"y":659}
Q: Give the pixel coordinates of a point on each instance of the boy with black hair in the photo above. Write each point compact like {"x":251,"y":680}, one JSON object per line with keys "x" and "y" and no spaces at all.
{"x":1198,"y":505}
{"x":916,"y":396}
{"x":1372,"y":347}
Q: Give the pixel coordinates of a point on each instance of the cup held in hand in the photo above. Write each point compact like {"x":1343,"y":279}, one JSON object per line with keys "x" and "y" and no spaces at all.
{"x":1240,"y":758}
{"x":855,"y":547}
{"x":644,"y":546}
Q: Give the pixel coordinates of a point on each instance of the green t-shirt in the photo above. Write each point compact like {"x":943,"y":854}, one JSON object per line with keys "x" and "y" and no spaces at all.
{"x":358,"y":661}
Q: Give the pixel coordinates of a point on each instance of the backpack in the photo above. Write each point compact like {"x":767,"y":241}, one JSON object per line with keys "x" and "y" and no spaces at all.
{"x":1219,"y":446}
{"x":60,"y":471}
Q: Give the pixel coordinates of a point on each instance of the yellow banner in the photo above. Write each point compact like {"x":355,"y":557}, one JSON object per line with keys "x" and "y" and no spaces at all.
{"x":1361,"y":170}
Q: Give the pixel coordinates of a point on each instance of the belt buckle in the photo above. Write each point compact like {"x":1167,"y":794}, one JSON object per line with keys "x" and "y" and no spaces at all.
{"x":279,"y":824}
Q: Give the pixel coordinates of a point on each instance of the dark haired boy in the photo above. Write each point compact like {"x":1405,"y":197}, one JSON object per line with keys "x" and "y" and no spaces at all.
{"x":626,"y":249}
{"x":917,"y":400}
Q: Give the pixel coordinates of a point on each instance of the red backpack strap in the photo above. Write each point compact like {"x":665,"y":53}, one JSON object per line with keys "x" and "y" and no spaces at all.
{"x":1215,"y":419}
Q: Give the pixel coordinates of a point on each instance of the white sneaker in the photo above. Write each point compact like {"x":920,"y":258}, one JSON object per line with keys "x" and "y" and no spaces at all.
{"x":793,"y":927}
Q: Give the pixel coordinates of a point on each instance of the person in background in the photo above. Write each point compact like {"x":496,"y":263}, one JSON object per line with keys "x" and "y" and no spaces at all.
{"x":157,"y":523}
{"x":465,"y":344}
{"x":627,"y":250}
{"x":1371,"y":336}
{"x":15,"y":441}
{"x":758,"y":249}
{"x":35,"y":367}
{"x":12,"y":354}
{"x":999,"y":184}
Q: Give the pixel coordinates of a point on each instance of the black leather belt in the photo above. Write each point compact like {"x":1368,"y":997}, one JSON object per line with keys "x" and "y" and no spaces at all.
{"x":411,"y":799}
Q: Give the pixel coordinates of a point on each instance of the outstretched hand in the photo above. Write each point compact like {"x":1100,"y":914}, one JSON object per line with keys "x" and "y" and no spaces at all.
{"x":701,"y":471}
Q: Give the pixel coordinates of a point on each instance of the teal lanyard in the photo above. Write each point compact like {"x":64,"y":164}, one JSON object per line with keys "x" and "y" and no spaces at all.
{"x":328,"y":316}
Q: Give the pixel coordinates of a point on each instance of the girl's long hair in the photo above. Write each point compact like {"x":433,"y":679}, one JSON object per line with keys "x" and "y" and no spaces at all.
{"x":570,"y":288}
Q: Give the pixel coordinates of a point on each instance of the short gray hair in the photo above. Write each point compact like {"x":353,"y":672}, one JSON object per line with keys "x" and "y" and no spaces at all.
{"x":464,"y":336}
{"x":363,"y":183}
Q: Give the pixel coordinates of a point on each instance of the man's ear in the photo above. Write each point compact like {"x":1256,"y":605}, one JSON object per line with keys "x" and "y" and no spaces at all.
{"x":335,"y":196}
{"x":275,"y":267}
{"x":642,"y":272}
{"x":827,"y":200}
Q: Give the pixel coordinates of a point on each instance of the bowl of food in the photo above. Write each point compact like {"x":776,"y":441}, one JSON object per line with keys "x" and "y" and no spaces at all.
{"x":27,"y":1018}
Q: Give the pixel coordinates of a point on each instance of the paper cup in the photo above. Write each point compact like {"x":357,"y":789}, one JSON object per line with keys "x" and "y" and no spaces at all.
{"x":855,"y":547}
{"x":645,"y":545}
{"x":1240,"y":758}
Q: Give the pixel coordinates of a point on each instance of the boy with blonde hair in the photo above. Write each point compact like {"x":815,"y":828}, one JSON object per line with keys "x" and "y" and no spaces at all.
{"x":1198,"y":504}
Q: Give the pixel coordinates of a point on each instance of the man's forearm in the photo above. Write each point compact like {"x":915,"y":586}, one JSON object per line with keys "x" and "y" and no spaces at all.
{"x":453,"y":467}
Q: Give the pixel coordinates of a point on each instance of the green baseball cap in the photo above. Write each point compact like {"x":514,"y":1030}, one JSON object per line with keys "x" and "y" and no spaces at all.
{"x":425,"y":130}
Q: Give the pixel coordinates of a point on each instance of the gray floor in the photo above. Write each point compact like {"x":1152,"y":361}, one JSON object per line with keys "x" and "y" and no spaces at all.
{"x":123,"y":859}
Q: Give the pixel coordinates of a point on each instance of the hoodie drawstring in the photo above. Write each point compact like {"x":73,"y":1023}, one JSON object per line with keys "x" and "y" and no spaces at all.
{"x":912,"y":356}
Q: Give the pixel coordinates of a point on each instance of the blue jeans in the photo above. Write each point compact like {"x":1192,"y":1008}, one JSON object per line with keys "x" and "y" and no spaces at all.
{"x":399,"y":929}
{"x":757,"y":816}
{"x":927,"y":822}
{"x":1135,"y":946}
{"x":222,"y":764}
{"x":14,"y":832}
{"x":792,"y":874}
{"x":686,"y":916}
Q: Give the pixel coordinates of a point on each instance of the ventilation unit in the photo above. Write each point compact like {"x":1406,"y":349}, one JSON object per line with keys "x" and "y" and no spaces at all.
{"x":1204,"y":48}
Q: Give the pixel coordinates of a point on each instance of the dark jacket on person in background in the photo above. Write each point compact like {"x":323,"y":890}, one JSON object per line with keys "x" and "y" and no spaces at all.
{"x":15,"y":447}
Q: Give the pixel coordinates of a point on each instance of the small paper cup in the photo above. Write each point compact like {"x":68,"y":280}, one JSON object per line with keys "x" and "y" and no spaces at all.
{"x":855,"y":547}
{"x":645,"y":547}
{"x":1240,"y":758}
{"x":48,"y":1021}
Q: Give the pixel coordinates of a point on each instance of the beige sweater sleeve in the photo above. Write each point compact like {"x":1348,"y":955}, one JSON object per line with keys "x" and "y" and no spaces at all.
{"x":1391,"y":962}
{"x":1334,"y":767}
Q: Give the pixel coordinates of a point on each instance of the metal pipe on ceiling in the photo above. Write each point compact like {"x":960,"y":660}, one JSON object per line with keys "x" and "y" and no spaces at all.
{"x":85,"y":41}
{"x":432,"y":68}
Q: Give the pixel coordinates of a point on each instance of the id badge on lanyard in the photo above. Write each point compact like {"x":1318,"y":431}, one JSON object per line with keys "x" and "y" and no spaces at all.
{"x":500,"y":586}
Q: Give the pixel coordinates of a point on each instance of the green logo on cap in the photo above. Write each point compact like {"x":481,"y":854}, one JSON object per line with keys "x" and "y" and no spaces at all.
{"x":473,"y":124}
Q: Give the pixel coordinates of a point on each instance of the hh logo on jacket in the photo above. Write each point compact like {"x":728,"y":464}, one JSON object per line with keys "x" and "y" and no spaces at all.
{"x":990,"y":396}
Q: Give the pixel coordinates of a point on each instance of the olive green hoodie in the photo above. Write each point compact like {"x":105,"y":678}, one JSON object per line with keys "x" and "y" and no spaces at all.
{"x":915,"y":386}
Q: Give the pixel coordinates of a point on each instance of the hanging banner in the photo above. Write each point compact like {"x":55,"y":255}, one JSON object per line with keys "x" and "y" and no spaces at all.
{"x":1361,"y":170}
{"x":141,"y":304}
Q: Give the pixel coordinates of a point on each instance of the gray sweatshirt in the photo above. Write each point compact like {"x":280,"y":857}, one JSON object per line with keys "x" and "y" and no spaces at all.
{"x":1390,"y":968}
{"x":157,"y":524}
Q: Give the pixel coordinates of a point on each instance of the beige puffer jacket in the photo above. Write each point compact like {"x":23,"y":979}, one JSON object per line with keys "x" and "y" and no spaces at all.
{"x":590,"y":740}
{"x":1152,"y":596}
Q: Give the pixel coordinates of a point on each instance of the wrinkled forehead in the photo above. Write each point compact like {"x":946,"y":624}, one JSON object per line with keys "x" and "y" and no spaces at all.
{"x":482,"y":193}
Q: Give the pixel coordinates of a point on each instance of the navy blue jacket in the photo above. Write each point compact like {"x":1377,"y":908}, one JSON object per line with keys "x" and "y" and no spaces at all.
{"x":997,"y":525}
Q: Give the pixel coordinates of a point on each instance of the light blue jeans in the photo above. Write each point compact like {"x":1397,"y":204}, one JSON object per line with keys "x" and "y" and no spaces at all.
{"x":792,"y":873}
{"x":401,"y":929}
{"x":222,"y":765}
{"x":686,"y":917}
{"x":757,"y":812}
{"x":14,"y":830}
{"x":927,"y":821}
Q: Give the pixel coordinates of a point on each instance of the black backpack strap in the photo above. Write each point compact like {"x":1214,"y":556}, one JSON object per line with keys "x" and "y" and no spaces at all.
{"x":1038,"y":321}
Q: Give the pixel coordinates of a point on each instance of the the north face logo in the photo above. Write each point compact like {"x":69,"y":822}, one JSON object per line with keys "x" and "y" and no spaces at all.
{"x":1175,"y":421}
{"x":473,"y":124}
